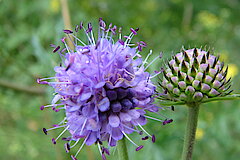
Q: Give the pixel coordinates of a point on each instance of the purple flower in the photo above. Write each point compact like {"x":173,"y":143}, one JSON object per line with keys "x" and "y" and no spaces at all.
{"x":103,"y":88}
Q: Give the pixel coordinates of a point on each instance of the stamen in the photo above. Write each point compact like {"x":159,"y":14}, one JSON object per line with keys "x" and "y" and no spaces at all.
{"x":66,"y":139}
{"x":131,"y":128}
{"x":75,"y":143}
{"x":145,"y":61}
{"x":84,"y":123}
{"x":157,"y":73}
{"x":105,"y":150}
{"x":66,"y":46}
{"x":73,"y":157}
{"x":82,"y":145}
{"x":67,"y":147}
{"x":79,"y":40}
{"x":144,"y":130}
{"x":153,"y":118}
{"x":153,"y":60}
{"x":81,"y":25}
{"x":70,"y":38}
{"x":121,"y":41}
{"x":104,"y":157}
{"x":99,"y":148}
{"x":130,"y":139}
{"x":128,"y":39}
{"x":53,"y":128}
{"x":62,"y":133}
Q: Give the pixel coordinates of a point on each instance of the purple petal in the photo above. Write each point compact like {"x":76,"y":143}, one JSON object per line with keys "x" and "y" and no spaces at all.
{"x":125,"y":117}
{"x":85,"y":96}
{"x":116,"y":134}
{"x":99,"y":85}
{"x":134,"y":114}
{"x":116,"y":106}
{"x":92,"y":138}
{"x":104,"y":104}
{"x":114,"y":120}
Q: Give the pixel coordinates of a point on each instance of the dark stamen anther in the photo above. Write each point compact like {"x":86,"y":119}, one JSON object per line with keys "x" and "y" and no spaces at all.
{"x":85,"y":52}
{"x":53,"y":141}
{"x":143,"y":44}
{"x":66,"y":139}
{"x":57,"y":110}
{"x":89,"y":28}
{"x":145,"y":138}
{"x":42,"y":108}
{"x":121,"y":42}
{"x":105,"y":150}
{"x":67,"y":68}
{"x":139,"y":148}
{"x":45,"y":131}
{"x":56,"y":49}
{"x":67,"y":31}
{"x":98,"y":43}
{"x":153,"y":138}
{"x":67,"y":147}
{"x":133,"y":31}
{"x":166,"y":121}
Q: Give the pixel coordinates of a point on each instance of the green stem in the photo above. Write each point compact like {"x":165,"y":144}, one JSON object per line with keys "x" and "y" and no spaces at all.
{"x":122,"y":150}
{"x":192,"y":119}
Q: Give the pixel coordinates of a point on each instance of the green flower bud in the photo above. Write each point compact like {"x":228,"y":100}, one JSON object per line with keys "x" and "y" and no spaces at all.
{"x":194,"y":75}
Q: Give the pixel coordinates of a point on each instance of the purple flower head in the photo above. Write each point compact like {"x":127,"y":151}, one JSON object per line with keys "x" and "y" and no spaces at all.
{"x":103,"y":88}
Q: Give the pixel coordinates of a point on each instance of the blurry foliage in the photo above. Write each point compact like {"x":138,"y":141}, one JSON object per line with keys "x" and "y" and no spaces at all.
{"x":28,"y":27}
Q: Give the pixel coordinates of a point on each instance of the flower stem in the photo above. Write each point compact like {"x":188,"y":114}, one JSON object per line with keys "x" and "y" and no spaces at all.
{"x":122,"y":150}
{"x":192,"y":119}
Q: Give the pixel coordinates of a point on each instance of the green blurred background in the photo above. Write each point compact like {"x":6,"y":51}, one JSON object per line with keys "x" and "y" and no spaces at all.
{"x":27,"y":27}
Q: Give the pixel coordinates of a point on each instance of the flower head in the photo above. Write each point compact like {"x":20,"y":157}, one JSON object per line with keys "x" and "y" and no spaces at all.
{"x":194,"y":75}
{"x":103,"y":88}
